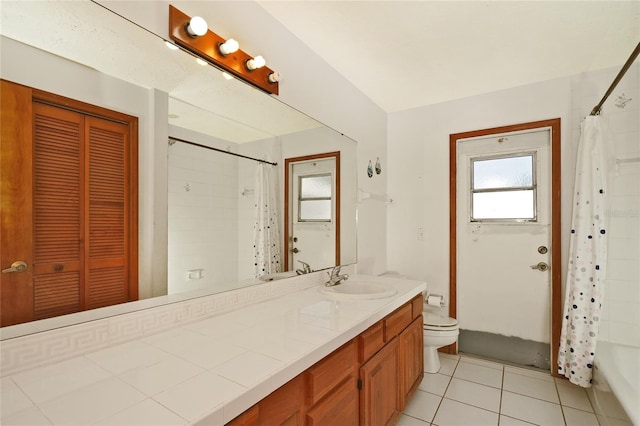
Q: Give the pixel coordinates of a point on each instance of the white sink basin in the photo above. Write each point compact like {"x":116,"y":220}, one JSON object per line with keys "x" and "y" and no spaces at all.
{"x":358,"y":290}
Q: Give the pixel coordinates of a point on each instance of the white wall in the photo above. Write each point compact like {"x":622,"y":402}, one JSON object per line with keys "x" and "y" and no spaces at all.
{"x":419,"y":168}
{"x":310,"y":85}
{"x":418,"y":148}
{"x":202,"y":214}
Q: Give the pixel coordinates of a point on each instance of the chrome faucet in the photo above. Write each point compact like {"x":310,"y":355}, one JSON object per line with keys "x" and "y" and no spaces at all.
{"x":335,"y":277}
{"x":306,"y":269}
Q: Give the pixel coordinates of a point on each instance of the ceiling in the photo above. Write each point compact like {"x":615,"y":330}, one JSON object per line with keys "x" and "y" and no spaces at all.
{"x":406,"y":54}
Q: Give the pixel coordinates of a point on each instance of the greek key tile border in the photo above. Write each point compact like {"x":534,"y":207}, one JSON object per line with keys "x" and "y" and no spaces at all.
{"x":48,"y":347}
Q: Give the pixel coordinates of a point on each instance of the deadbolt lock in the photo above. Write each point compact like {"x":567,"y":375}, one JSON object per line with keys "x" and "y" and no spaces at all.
{"x":542,"y":250}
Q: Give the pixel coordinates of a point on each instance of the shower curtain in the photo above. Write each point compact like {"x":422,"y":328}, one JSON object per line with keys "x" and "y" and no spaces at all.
{"x":266,"y":236}
{"x":586,"y":274}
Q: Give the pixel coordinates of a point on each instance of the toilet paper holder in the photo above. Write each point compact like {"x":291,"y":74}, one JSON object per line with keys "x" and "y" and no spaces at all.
{"x":433,"y":299}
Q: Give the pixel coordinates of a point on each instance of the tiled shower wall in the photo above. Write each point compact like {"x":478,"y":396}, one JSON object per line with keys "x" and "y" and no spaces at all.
{"x":203,"y":217}
{"x":621,"y":308}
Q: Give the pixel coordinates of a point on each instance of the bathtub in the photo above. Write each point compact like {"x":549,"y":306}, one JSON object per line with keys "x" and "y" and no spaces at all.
{"x":616,"y":378}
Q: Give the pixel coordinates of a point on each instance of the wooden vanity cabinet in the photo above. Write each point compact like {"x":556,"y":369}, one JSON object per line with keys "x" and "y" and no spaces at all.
{"x":283,"y":407}
{"x":379,"y":398}
{"x":332,"y":388}
{"x":392,"y":375}
{"x":368,"y":381}
{"x":340,"y":407}
{"x":410,"y":360}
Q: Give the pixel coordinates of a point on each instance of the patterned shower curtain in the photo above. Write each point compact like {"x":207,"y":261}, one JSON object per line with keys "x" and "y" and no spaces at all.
{"x":266,"y":236}
{"x":586,"y":274}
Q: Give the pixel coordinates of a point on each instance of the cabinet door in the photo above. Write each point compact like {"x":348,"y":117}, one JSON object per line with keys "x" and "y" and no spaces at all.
{"x":340,"y":407}
{"x":411,"y":360}
{"x":379,"y":398}
{"x":284,"y":406}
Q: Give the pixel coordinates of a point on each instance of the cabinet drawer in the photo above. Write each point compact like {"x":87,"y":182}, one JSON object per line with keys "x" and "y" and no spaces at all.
{"x":340,"y":407}
{"x":417,"y":306}
{"x":397,"y":321}
{"x":370,"y":341}
{"x":328,"y":373}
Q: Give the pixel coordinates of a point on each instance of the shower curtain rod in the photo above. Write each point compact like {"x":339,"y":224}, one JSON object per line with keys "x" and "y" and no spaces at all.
{"x":625,"y":67}
{"x":173,"y":140}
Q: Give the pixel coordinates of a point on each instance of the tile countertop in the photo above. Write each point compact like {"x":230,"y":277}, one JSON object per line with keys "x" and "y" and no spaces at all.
{"x":206,"y":372}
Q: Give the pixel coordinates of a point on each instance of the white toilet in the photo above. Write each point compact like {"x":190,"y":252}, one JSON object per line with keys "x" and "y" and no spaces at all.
{"x":438,"y":331}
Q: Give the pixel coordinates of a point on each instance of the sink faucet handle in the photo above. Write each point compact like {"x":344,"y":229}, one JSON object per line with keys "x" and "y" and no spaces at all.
{"x":305,"y":266}
{"x":336,"y":270}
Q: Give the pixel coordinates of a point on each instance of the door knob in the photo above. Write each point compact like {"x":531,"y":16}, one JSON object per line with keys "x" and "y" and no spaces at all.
{"x":17,"y":266}
{"x":295,"y":250}
{"x":541,"y":266}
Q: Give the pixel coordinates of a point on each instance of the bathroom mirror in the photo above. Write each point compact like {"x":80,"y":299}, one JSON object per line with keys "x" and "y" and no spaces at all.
{"x":85,"y":52}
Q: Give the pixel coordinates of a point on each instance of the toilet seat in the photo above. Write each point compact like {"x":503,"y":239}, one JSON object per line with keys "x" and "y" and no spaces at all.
{"x":432,"y":321}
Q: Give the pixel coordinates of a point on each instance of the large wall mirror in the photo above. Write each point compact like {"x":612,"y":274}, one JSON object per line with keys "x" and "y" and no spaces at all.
{"x":197,"y":215}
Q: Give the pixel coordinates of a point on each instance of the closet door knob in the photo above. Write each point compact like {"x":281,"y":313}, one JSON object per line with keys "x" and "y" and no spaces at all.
{"x":17,"y":266}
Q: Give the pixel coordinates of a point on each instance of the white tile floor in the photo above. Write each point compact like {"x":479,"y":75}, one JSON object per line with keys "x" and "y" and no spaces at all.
{"x":476,"y":392}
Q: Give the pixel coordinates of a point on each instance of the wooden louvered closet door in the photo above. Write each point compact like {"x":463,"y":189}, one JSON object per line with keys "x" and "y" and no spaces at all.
{"x":58,"y":211}
{"x":78,"y":193}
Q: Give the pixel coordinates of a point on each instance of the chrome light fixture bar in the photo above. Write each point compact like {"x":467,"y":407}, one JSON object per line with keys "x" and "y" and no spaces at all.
{"x":192,"y":34}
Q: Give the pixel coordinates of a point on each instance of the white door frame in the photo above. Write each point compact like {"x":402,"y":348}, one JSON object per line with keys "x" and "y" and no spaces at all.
{"x":555,"y":261}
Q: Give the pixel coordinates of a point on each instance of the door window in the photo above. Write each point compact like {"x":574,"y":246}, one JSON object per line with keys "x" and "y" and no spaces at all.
{"x":315,"y":199}
{"x":503,"y":188}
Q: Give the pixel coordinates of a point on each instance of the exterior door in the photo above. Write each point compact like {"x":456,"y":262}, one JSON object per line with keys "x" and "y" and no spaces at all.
{"x":313,"y":221}
{"x":69,"y":221}
{"x":506,"y":253}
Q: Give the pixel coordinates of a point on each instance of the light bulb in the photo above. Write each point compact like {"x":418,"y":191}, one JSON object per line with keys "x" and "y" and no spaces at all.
{"x":274,"y":77}
{"x":255,"y":63}
{"x":197,"y":26}
{"x":228,"y":47}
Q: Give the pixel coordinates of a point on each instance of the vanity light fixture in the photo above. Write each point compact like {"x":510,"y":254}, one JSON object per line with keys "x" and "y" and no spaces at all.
{"x":275,"y":77}
{"x":255,"y":63}
{"x":188,"y":33}
{"x":228,"y":47}
{"x":197,"y":27}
